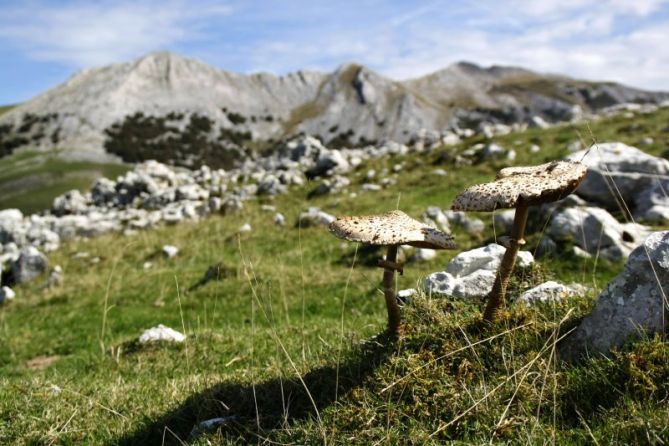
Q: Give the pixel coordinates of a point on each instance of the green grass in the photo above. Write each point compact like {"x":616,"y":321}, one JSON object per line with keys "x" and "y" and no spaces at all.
{"x":294,"y":311}
{"x":6,"y":108}
{"x":31,"y":180}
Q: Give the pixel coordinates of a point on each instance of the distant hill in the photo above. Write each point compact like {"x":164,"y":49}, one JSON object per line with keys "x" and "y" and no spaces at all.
{"x":181,"y":110}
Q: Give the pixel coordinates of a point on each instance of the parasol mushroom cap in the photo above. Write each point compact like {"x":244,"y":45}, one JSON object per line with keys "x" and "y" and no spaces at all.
{"x":523,"y":185}
{"x":391,"y":228}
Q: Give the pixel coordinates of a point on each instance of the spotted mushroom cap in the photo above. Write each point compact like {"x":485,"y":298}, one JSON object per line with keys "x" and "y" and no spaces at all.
{"x":527,"y":185}
{"x":391,"y":228}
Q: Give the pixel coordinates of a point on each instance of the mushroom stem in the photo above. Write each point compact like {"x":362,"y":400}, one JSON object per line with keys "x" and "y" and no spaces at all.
{"x":496,"y":296}
{"x":389,"y":291}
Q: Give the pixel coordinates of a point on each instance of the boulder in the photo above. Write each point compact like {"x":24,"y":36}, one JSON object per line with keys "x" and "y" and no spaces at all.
{"x":617,"y":171}
{"x":596,"y":231}
{"x":30,"y":264}
{"x":472,"y":273}
{"x":488,"y":258}
{"x":633,"y":304}
{"x":477,"y":284}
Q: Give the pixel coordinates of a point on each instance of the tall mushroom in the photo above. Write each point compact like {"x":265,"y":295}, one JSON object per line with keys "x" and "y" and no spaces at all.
{"x":519,"y":188}
{"x":391,"y":229}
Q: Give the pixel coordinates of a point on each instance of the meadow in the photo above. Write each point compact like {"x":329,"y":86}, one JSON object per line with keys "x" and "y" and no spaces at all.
{"x":288,"y":345}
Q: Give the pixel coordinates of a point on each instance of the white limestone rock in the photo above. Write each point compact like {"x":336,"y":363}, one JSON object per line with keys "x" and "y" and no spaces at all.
{"x":30,"y":264}
{"x":161,"y":333}
{"x":6,"y":294}
{"x":170,"y":251}
{"x":548,"y":292}
{"x":640,"y":179}
{"x":313,"y":216}
{"x":472,"y":273}
{"x":632,"y":304}
{"x":596,"y":231}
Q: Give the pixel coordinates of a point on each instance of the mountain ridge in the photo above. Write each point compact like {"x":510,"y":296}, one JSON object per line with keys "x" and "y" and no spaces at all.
{"x":108,"y":106}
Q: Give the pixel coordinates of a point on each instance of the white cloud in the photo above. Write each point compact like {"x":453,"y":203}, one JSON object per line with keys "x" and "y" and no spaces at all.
{"x":617,"y":40}
{"x":93,"y":33}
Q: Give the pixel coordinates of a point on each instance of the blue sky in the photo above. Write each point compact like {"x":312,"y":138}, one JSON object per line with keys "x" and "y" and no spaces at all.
{"x":43,"y":42}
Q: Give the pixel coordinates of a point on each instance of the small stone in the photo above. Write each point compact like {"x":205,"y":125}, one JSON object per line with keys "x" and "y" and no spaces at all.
{"x":246,"y":227}
{"x":6,"y":294}
{"x":548,"y":292}
{"x":279,"y":219}
{"x":161,"y":333}
{"x":170,"y":251}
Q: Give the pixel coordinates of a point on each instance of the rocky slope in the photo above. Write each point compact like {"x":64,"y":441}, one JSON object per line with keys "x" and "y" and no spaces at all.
{"x":180,"y":110}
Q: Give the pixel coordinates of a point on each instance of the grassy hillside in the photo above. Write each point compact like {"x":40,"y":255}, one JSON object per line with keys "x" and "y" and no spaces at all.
{"x":297,"y":310}
{"x":31,"y":180}
{"x":6,"y":108}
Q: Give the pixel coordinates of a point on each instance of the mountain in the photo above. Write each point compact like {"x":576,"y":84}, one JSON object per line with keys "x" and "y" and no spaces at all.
{"x":181,"y":110}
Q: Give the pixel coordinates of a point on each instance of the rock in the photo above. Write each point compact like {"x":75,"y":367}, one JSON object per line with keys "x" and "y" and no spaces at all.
{"x":6,"y":294}
{"x":55,"y":278}
{"x":639,"y":178}
{"x":161,"y":333}
{"x":631,"y":304}
{"x":548,"y":292}
{"x":546,"y":247}
{"x":574,"y":146}
{"x":477,"y":284}
{"x":232,"y":204}
{"x":71,"y":202}
{"x":329,"y":186}
{"x":646,"y":141}
{"x":596,"y":231}
{"x":436,"y":217}
{"x":271,"y":185}
{"x":313,"y":216}
{"x":578,"y":252}
{"x":30,"y":264}
{"x":209,"y":425}
{"x":473,"y":226}
{"x":492,"y":150}
{"x":329,"y":162}
{"x":246,"y":227}
{"x":534,"y":149}
{"x":370,"y":187}
{"x":279,"y":219}
{"x":538,"y":122}
{"x":503,"y":220}
{"x":652,"y":203}
{"x":404,"y":296}
{"x":472,"y":273}
{"x":487,"y":258}
{"x":170,"y":251}
{"x":424,"y":254}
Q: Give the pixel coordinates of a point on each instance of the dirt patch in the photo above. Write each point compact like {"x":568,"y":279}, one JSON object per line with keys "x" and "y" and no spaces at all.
{"x":41,"y":362}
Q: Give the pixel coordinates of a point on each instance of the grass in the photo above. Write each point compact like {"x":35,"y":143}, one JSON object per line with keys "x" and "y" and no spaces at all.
{"x":31,"y":180}
{"x":6,"y":108}
{"x":297,"y":309}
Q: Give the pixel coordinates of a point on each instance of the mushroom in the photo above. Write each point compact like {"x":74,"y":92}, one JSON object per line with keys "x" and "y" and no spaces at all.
{"x":391,"y":229}
{"x":519,"y":188}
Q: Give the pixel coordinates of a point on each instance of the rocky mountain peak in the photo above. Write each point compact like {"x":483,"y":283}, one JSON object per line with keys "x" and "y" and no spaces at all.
{"x":212,"y":110}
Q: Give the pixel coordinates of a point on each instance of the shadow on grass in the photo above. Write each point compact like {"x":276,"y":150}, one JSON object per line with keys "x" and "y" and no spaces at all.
{"x":255,"y":411}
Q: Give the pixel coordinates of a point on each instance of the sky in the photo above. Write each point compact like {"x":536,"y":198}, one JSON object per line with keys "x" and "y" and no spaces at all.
{"x":43,"y":42}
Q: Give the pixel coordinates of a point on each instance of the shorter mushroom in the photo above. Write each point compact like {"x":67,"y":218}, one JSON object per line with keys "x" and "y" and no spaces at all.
{"x":391,"y":229}
{"x":519,"y":188}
